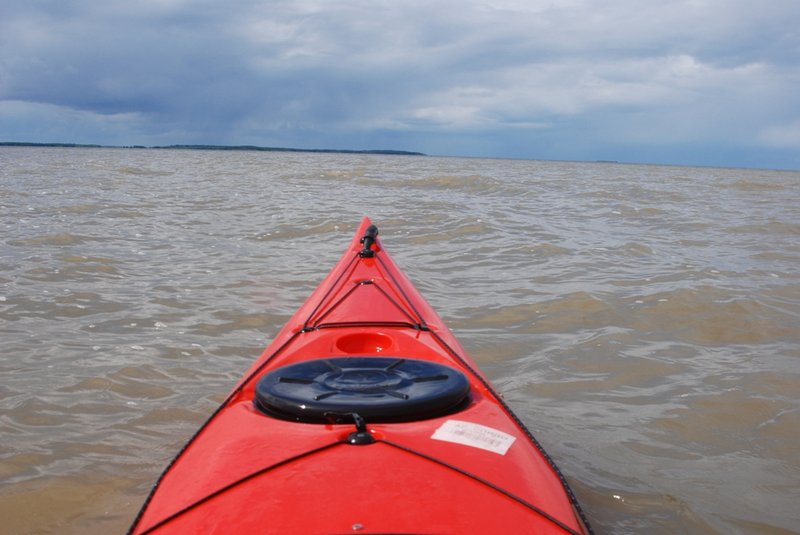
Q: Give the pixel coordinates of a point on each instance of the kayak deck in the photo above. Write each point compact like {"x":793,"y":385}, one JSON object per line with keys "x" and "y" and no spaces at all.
{"x":363,"y":415}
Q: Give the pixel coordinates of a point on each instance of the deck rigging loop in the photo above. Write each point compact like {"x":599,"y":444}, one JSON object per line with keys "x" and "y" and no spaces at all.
{"x":359,"y":437}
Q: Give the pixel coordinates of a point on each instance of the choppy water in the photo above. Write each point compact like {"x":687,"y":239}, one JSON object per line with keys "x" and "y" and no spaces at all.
{"x":644,"y":321}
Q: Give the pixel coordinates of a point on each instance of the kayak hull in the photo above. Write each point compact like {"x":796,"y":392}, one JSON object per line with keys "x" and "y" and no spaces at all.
{"x":469,"y":466}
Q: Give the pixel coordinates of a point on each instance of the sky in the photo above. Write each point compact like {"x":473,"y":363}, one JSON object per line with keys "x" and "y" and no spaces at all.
{"x":683,"y":82}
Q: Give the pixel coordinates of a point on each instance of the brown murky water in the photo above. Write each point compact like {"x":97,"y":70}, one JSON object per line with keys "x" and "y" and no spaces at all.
{"x":644,"y":321}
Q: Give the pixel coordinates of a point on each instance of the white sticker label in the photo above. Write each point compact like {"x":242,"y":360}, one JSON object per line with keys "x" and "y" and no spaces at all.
{"x":474,"y":435}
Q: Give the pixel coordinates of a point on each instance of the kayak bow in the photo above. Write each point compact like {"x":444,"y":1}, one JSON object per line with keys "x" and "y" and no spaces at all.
{"x":364,"y":415}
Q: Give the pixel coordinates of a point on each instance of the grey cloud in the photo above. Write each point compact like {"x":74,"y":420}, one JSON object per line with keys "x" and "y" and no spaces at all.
{"x":493,"y":77}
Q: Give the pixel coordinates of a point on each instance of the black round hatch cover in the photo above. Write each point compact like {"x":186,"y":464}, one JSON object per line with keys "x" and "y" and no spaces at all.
{"x":379,"y":389}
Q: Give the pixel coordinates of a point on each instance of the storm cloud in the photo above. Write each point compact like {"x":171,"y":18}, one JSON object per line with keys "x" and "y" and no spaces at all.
{"x":684,"y":82}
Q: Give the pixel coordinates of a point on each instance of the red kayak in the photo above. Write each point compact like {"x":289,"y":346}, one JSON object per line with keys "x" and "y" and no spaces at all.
{"x":364,"y":415}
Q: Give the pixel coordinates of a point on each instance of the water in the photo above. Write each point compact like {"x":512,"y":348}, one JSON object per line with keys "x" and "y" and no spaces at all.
{"x":643,"y":321}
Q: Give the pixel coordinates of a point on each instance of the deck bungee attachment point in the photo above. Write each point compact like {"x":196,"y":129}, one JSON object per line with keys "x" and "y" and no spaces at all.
{"x":364,"y":414}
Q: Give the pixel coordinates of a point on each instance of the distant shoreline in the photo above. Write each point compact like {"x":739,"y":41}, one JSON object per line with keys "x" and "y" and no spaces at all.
{"x":211,"y":147}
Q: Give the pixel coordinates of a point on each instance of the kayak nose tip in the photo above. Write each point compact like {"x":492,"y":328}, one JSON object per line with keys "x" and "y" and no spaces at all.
{"x":367,"y":240}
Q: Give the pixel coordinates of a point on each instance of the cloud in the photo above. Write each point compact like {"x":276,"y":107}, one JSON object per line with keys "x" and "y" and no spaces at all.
{"x":455,"y":75}
{"x":50,"y":122}
{"x":782,"y":135}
